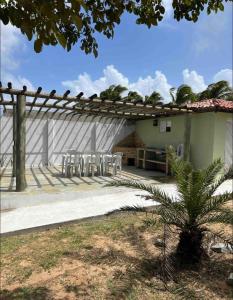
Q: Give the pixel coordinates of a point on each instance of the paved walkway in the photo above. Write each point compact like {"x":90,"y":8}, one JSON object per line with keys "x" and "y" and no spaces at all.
{"x":93,"y":203}
{"x":50,"y":198}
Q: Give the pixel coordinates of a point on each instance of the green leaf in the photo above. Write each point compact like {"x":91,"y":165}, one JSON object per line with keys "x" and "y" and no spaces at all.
{"x":78,"y":21}
{"x":61,"y":39}
{"x":85,"y":7}
{"x":4,"y":18}
{"x":95,"y":52}
{"x":38,"y":45}
{"x":221,"y":6}
{"x":162,"y":9}
{"x":99,"y":27}
{"x":25,"y":28}
{"x":66,"y":19}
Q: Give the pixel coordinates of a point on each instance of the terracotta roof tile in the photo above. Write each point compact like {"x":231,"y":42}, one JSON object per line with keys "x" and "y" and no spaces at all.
{"x":212,"y":105}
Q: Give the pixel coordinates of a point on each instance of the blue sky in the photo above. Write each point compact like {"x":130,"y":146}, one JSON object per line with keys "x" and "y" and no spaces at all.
{"x":142,"y":59}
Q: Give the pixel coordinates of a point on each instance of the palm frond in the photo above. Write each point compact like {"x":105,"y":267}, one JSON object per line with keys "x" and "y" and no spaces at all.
{"x":195,"y":204}
{"x":223,"y":216}
{"x":220,"y":235}
{"x":174,"y":210}
{"x":181,"y":170}
{"x":175,"y":213}
{"x":171,"y":216}
{"x":190,"y":187}
{"x":214,"y":204}
{"x":218,"y":182}
{"x":209,"y":174}
{"x":157,"y":194}
{"x":130,"y":209}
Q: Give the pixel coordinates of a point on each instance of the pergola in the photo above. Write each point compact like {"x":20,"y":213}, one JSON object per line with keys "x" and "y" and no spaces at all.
{"x":24,"y":102}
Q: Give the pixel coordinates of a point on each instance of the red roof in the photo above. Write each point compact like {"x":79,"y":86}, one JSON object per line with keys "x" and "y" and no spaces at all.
{"x":212,"y":105}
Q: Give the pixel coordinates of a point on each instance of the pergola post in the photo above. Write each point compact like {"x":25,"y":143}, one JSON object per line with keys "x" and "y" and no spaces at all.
{"x":14,"y":142}
{"x":187,"y":136}
{"x":20,"y":142}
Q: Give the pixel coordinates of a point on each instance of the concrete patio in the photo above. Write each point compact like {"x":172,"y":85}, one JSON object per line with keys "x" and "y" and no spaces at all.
{"x":51,"y":199}
{"x":47,"y":184}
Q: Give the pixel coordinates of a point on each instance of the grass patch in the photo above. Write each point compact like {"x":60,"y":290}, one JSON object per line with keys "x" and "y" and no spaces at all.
{"x":50,"y":259}
{"x":109,"y":258}
{"x":25,"y":293}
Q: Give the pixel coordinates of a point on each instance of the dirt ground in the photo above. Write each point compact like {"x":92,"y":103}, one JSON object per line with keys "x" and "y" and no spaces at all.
{"x":111,"y":258}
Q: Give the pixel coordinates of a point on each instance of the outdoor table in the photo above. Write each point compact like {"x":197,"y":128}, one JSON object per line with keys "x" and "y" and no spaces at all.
{"x":86,"y":160}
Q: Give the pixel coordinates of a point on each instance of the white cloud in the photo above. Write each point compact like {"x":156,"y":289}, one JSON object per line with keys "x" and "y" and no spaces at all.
{"x":145,"y":86}
{"x":11,"y":45}
{"x":193,"y":79}
{"x":111,"y":75}
{"x":17,"y":81}
{"x":224,"y":74}
{"x":85,"y":84}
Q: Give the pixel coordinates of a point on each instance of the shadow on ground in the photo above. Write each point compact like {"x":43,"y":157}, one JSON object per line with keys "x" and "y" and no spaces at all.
{"x":26,"y":293}
{"x":148,"y":270}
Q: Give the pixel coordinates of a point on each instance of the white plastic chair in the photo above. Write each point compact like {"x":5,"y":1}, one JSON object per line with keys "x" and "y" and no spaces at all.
{"x":77,"y":165}
{"x":117,"y":162}
{"x":85,"y":163}
{"x":66,"y":159}
{"x":72,"y":163}
{"x":63,"y":164}
{"x":107,"y":160}
{"x":95,"y":163}
{"x":69,"y":163}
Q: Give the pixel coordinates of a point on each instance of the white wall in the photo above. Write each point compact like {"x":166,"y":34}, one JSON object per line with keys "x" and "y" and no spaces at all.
{"x":228,"y":155}
{"x":47,"y":138}
{"x":6,"y":144}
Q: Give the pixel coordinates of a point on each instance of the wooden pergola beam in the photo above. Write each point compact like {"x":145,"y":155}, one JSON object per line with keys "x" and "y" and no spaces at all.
{"x":101,"y":110}
{"x":20,"y":142}
{"x":14,"y":141}
{"x":77,"y":99}
{"x":91,"y":105}
{"x":72,"y":99}
{"x":65,"y":96}
{"x":64,"y":99}
{"x":2,"y":99}
{"x":52,"y":93}
{"x":35,"y":97}
{"x":10,"y":87}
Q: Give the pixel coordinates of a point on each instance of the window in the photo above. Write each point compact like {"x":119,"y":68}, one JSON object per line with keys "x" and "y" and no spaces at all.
{"x":162,"y":126}
{"x":165,"y":126}
{"x":168,"y":126}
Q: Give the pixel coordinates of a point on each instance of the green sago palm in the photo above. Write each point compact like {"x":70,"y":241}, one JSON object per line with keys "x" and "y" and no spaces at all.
{"x":195,"y":206}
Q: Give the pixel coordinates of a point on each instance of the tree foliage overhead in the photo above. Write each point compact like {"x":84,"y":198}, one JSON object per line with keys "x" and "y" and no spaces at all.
{"x":113,"y":93}
{"x":67,"y":22}
{"x":154,"y":98}
{"x":218,"y":90}
{"x":182,"y":95}
{"x":134,"y":97}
